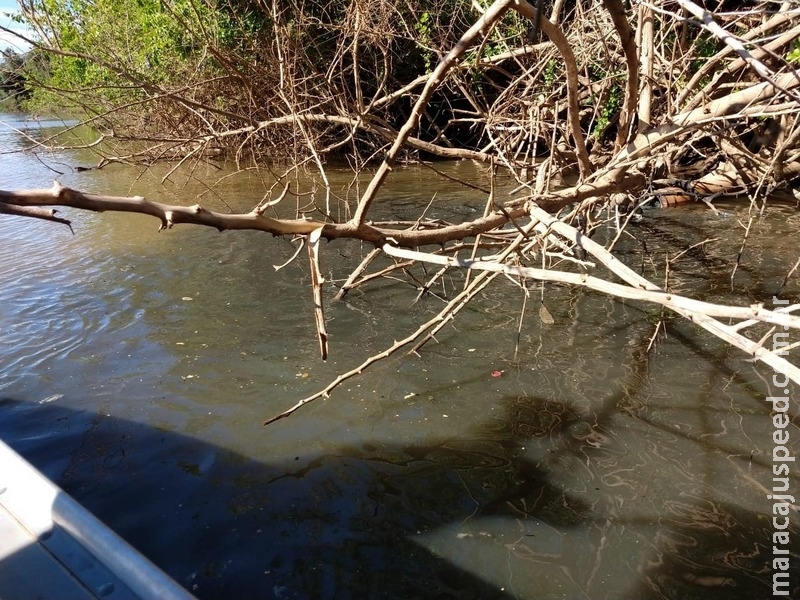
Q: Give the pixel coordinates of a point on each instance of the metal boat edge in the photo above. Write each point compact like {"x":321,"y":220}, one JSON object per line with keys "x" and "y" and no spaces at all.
{"x":51,"y":544}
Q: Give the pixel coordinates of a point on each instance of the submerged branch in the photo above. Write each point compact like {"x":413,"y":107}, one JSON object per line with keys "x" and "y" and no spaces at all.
{"x":670,"y":300}
{"x":542,"y":111}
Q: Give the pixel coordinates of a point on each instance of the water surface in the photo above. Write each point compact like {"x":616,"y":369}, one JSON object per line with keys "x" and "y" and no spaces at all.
{"x":137,"y":368}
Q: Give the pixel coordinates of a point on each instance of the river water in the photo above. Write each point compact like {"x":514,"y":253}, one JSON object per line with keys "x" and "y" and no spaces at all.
{"x":137,"y":368}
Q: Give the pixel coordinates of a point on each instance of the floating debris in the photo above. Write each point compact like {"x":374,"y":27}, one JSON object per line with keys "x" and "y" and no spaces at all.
{"x":52,"y":398}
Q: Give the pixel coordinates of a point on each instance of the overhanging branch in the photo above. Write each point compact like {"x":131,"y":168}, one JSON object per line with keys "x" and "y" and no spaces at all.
{"x":34,"y":212}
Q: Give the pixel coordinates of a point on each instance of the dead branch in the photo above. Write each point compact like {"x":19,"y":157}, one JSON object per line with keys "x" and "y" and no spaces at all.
{"x":625,"y":32}
{"x":724,"y":332}
{"x":696,"y":311}
{"x":573,"y":113}
{"x":46,"y":214}
{"x":444,"y":316}
{"x":785,"y":15}
{"x":316,"y":288}
{"x":647,"y":44}
{"x":376,"y":234}
{"x":169,"y":215}
{"x":657,"y":296}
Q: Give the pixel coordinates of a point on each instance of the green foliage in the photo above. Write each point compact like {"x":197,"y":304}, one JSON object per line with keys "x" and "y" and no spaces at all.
{"x":608,"y":111}
{"x":705,"y":46}
{"x":608,"y":104}
{"x":512,"y":31}
{"x":794,"y":54}
{"x":127,"y":40}
{"x":423,"y":29}
{"x":241,"y":26}
{"x":551,"y":72}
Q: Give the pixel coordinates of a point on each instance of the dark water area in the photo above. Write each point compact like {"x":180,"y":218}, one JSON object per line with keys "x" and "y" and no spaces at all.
{"x":136,"y":369}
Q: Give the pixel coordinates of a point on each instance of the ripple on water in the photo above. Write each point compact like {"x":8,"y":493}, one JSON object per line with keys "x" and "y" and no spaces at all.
{"x":52,"y":307}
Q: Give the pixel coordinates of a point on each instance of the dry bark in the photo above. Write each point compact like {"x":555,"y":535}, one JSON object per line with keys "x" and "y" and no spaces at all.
{"x":524,"y":115}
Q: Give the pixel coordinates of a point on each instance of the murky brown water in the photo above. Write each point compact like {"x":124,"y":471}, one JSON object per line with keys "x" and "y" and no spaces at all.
{"x":588,"y":470}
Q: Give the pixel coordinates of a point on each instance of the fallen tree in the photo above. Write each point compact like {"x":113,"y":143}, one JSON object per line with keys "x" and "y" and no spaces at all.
{"x":597,"y":139}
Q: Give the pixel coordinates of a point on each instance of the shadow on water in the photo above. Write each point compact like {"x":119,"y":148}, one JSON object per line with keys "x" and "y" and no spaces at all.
{"x":587,"y":471}
{"x":483,"y":518}
{"x":332,"y":526}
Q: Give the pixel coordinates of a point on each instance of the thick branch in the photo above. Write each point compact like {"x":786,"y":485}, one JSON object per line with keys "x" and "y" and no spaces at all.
{"x":169,"y":215}
{"x":639,"y":288}
{"x":34,"y":212}
{"x":376,"y":234}
{"x":647,"y":50}
{"x":645,"y":144}
{"x":625,"y":32}
{"x":726,"y":333}
{"x":656,"y":296}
